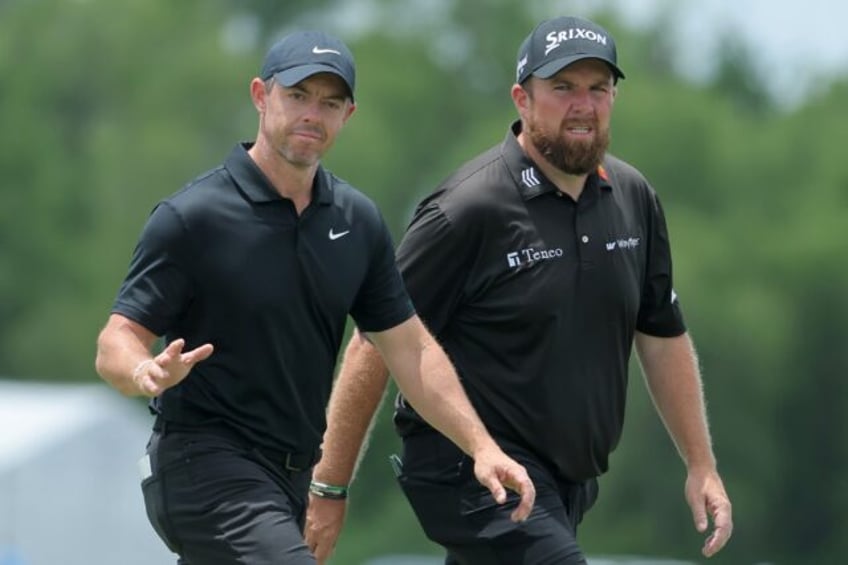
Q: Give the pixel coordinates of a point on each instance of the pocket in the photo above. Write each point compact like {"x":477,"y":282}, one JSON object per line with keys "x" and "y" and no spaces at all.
{"x":154,"y":504}
{"x":580,"y":499}
{"x":436,"y":505}
{"x":483,"y":513}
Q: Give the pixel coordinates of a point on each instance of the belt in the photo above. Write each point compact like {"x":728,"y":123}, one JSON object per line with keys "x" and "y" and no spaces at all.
{"x":294,"y":462}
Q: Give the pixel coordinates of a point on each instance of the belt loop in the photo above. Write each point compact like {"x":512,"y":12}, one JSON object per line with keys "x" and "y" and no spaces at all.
{"x":288,"y":464}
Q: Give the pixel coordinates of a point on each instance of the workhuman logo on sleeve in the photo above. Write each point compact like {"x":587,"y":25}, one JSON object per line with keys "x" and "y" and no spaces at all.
{"x":530,"y":255}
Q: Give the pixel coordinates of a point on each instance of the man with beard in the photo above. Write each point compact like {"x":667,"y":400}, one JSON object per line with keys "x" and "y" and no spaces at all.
{"x":537,"y":265}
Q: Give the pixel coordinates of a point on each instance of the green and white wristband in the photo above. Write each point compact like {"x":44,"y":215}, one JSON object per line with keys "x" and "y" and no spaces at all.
{"x":324,"y":490}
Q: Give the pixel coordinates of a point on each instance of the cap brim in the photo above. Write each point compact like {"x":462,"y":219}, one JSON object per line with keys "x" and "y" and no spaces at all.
{"x":553,"y":67}
{"x":291,"y":77}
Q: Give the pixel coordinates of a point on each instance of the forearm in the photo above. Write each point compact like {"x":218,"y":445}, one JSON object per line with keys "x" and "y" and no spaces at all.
{"x":673,"y":378}
{"x":427,"y":379}
{"x":122,"y":347}
{"x":356,"y":397}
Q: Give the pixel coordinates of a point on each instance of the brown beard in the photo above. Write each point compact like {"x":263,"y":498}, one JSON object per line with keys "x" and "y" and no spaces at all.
{"x":570,"y":157}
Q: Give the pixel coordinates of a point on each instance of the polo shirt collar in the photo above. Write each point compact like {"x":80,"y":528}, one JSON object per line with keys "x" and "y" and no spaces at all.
{"x":529,"y":178}
{"x":256,"y":186}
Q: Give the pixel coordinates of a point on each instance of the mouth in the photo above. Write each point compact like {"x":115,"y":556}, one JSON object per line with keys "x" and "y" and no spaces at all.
{"x":579,"y":130}
{"x":309,"y":134}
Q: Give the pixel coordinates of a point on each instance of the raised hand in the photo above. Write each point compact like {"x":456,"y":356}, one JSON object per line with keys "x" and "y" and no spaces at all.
{"x":153,"y":376}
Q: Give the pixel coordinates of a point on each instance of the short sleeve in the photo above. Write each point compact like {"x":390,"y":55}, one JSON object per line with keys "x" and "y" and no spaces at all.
{"x":659,"y":312}
{"x":157,"y":287}
{"x":382,"y":301}
{"x":434,"y":265}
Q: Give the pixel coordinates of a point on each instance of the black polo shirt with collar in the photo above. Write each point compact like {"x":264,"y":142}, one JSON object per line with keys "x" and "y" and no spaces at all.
{"x":228,"y":261}
{"x":536,"y":298}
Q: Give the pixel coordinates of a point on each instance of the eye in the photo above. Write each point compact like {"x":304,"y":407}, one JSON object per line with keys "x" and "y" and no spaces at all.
{"x":333,"y":104}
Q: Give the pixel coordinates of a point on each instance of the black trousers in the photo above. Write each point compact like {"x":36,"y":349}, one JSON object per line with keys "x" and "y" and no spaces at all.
{"x":459,"y":513}
{"x":214,"y":501}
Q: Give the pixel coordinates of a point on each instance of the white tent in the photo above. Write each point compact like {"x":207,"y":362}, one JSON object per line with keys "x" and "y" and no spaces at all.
{"x":69,"y":485}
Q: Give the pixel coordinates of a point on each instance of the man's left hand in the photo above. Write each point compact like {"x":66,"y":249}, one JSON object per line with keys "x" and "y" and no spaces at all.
{"x":498,"y":472}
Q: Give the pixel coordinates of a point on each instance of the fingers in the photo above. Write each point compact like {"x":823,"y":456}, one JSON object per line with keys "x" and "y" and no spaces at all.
{"x":153,"y":376}
{"x":528,"y":499}
{"x":171,"y":352}
{"x":516,"y":479}
{"x":716,"y":541}
{"x":699,"y":517}
{"x":198,"y":354}
{"x":143,"y":379}
{"x":496,"y":488}
{"x":709,"y":502}
{"x":324,"y":520}
{"x":722,"y":528}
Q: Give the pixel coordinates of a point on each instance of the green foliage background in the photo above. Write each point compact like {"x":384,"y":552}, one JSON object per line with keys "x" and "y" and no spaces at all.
{"x":108,"y":106}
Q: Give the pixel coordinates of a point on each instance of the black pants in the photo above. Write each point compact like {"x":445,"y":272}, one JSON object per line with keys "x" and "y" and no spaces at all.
{"x":459,"y":513}
{"x":214,"y":501}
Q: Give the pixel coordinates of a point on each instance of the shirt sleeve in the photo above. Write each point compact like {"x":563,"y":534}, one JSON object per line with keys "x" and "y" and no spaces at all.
{"x":382,"y":301}
{"x":157,"y":288}
{"x":433,"y":262}
{"x":659,"y":312}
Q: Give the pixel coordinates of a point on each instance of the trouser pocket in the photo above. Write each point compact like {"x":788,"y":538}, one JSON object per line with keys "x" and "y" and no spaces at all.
{"x":581,"y":497}
{"x":153,"y":492}
{"x":154,"y":503}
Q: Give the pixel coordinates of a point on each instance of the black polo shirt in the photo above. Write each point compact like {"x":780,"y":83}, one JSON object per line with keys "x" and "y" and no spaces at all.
{"x":228,"y":261}
{"x":536,"y":298}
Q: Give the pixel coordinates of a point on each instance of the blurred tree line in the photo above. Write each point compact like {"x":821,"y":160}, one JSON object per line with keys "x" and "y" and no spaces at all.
{"x":108,"y":106}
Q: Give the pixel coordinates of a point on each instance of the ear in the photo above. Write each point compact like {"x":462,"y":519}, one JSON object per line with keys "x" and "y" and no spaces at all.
{"x":258,"y":94}
{"x":520,"y":98}
{"x":349,"y":112}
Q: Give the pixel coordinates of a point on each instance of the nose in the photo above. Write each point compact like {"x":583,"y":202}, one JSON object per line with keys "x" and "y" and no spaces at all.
{"x":581,"y":98}
{"x":312,"y":111}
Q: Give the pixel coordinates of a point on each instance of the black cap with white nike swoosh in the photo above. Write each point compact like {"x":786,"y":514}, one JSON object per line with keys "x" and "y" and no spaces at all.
{"x":302,"y":54}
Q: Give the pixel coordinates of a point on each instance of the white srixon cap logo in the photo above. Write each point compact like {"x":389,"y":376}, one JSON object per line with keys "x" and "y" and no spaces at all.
{"x":556,"y":38}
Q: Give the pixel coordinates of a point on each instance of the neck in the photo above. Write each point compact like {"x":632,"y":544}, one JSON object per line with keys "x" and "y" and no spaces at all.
{"x":290,"y":181}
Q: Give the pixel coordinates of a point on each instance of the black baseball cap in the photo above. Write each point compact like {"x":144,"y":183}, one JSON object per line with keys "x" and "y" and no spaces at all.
{"x":302,"y":54}
{"x":555,"y":44}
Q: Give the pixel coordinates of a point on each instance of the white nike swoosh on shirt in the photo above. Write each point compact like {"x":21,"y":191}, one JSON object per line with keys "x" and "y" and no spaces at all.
{"x":334,"y":236}
{"x":319,"y":51}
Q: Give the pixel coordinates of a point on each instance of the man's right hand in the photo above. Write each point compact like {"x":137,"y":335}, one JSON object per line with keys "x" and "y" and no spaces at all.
{"x":171,"y":366}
